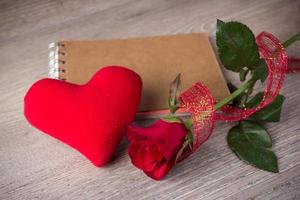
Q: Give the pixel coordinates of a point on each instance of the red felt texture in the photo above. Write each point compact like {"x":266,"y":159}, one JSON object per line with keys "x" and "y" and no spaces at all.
{"x":91,"y":118}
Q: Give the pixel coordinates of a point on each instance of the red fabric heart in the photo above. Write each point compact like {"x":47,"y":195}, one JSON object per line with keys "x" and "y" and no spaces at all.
{"x":91,"y":118}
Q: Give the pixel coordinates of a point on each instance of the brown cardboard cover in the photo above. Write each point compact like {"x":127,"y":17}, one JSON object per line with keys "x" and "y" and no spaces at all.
{"x":157,"y":59}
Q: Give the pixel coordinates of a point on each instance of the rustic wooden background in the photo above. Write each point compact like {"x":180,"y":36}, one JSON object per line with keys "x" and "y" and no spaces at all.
{"x":35,"y":166}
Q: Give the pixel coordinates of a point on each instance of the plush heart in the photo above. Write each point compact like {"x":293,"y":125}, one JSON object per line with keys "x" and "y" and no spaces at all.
{"x":91,"y":118}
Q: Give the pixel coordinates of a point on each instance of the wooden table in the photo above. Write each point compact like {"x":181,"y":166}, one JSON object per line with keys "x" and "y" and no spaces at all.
{"x":36,"y":166}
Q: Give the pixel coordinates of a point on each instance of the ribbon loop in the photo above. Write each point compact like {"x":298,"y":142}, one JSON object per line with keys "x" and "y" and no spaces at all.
{"x":199,"y":102}
{"x":294,"y":65}
{"x":276,"y":59}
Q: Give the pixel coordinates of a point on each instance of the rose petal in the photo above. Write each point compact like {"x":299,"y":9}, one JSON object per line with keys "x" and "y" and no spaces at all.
{"x":154,"y":149}
{"x":137,"y":157}
{"x":160,"y":172}
{"x":145,"y":155}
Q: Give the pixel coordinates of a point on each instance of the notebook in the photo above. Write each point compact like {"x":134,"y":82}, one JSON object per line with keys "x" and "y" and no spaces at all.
{"x":157,"y":60}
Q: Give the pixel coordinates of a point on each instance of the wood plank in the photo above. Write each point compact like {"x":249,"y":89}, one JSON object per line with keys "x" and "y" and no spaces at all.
{"x":34,"y":165}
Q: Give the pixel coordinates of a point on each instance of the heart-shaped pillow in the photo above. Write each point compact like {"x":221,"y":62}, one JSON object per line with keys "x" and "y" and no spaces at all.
{"x":91,"y":118}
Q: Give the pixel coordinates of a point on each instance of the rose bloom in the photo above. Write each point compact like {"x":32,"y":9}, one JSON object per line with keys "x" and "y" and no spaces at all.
{"x":153,"y":149}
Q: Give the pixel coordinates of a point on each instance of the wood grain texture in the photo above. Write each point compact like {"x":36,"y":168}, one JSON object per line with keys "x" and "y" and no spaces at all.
{"x":35,"y":166}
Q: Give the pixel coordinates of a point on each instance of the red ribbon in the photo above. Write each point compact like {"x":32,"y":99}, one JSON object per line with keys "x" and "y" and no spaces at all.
{"x":276,"y":59}
{"x":294,"y":65}
{"x":199,"y":102}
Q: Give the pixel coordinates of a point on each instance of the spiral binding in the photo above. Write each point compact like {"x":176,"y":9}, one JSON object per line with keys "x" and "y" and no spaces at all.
{"x":56,"y":61}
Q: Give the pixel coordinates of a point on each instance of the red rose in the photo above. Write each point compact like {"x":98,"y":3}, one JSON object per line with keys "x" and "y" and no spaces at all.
{"x":154,"y":149}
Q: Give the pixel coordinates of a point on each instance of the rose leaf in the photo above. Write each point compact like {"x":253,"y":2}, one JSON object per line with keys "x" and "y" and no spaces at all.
{"x":261,"y":71}
{"x":270,"y":113}
{"x":251,"y":143}
{"x":174,"y":94}
{"x":236,"y":46}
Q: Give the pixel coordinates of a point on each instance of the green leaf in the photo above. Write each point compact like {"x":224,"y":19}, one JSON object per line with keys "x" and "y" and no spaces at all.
{"x":236,"y":46}
{"x":220,"y":22}
{"x":189,"y":138}
{"x":261,"y":70}
{"x":174,"y":94}
{"x":188,"y":123}
{"x":236,"y":101}
{"x":171,"y":119}
{"x":270,"y":113}
{"x":189,"y":126}
{"x":243,"y":74}
{"x":252,"y":144}
{"x":181,"y":150}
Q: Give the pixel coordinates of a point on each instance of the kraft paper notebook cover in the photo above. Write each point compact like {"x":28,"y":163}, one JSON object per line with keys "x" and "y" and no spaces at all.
{"x":157,"y":59}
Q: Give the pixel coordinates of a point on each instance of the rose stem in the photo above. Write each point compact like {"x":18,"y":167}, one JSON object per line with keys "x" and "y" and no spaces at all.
{"x":235,"y":94}
{"x":291,"y":40}
{"x":252,"y":81}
